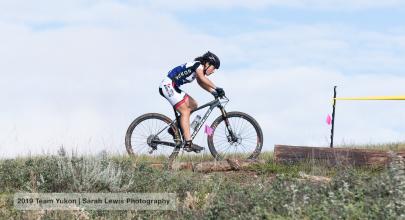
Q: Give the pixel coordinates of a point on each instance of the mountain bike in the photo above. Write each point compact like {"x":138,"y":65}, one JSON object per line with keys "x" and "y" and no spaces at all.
{"x":231,"y":133}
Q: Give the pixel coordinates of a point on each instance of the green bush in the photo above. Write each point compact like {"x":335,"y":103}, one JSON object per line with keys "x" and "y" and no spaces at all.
{"x":269,"y":191}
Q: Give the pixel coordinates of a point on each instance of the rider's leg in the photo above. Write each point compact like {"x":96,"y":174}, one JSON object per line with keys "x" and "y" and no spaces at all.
{"x":192,"y":103}
{"x":185,"y":110}
{"x":189,"y":105}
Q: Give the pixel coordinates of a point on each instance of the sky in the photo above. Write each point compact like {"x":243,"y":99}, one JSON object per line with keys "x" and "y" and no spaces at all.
{"x":76,"y":73}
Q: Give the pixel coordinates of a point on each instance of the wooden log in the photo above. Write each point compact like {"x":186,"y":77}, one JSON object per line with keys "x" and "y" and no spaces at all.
{"x":182,"y":166}
{"x":225,"y":165}
{"x":332,"y":156}
{"x":211,"y":166}
{"x":158,"y":166}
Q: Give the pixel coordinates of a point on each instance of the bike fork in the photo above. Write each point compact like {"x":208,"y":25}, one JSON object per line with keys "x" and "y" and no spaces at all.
{"x":228,"y":125}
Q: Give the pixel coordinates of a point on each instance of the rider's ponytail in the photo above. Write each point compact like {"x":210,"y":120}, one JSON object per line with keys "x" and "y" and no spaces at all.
{"x":202,"y":60}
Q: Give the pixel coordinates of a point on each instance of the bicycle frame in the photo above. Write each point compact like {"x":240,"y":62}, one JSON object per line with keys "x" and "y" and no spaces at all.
{"x":213,"y":104}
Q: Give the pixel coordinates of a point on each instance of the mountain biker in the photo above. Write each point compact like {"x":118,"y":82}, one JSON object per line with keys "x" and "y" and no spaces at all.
{"x":199,"y":69}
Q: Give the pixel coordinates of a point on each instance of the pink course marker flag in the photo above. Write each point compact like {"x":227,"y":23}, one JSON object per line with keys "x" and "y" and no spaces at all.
{"x":208,"y":130}
{"x":328,"y":120}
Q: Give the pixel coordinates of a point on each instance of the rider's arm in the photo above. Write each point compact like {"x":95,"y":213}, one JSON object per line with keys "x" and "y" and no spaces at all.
{"x":203,"y":81}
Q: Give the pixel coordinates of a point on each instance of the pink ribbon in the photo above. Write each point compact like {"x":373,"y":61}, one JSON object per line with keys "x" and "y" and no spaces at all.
{"x":328,"y":120}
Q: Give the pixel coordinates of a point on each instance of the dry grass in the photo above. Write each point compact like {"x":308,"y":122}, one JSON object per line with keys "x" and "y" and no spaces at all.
{"x":268,"y":191}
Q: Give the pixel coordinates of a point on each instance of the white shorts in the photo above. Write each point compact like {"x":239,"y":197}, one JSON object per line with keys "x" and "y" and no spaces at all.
{"x":172,"y":93}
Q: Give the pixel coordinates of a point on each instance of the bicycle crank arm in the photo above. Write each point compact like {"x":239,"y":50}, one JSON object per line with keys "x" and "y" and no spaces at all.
{"x":170,"y":144}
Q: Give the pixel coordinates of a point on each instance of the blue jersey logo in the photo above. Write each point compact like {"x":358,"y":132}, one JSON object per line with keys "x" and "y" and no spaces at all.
{"x":184,"y":73}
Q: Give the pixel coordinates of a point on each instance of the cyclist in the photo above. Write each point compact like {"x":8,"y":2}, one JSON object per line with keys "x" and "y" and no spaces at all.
{"x":199,"y":69}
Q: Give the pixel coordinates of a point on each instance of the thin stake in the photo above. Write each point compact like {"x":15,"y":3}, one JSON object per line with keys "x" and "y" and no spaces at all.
{"x":333,"y":118}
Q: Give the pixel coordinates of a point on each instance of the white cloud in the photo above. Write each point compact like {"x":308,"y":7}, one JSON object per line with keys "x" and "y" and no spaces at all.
{"x":80,"y":85}
{"x":45,"y":10}
{"x":260,"y":4}
{"x":343,"y":48}
{"x":292,"y":105}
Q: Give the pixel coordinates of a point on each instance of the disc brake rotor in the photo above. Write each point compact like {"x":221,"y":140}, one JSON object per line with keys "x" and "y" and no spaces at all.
{"x":237,"y":140}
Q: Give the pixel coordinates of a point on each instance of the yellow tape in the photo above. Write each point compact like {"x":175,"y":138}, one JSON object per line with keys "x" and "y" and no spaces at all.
{"x":374,"y":98}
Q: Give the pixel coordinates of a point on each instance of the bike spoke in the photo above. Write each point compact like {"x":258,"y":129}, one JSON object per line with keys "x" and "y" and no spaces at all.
{"x":228,"y":149}
{"x":245,"y":133}
{"x":245,"y":128}
{"x":147,"y":130}
{"x":243,"y":147}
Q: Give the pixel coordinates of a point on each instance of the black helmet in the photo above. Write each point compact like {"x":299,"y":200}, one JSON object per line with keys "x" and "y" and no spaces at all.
{"x":212,"y":59}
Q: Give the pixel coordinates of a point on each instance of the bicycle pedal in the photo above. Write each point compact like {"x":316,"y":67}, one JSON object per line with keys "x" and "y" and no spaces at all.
{"x":188,"y":149}
{"x":192,"y":150}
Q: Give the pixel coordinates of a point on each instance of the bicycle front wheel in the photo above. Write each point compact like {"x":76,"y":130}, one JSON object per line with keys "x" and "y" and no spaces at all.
{"x":246,"y":141}
{"x":145,"y":130}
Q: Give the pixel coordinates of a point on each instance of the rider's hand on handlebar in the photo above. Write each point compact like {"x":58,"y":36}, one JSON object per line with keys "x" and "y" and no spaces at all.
{"x":218,"y":92}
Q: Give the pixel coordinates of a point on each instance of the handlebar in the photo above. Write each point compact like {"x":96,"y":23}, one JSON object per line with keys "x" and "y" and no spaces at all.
{"x":220,"y":97}
{"x":224,"y":97}
{"x":223,"y":100}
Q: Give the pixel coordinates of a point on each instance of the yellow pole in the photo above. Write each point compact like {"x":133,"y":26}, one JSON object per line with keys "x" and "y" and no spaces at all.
{"x":374,"y":98}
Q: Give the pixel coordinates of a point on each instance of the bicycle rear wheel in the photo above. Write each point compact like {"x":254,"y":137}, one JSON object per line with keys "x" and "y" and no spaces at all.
{"x":248,"y":142}
{"x":148,"y":128}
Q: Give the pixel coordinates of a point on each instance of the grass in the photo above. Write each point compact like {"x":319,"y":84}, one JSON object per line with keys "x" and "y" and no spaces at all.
{"x":394,"y":146}
{"x":265,"y":191}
